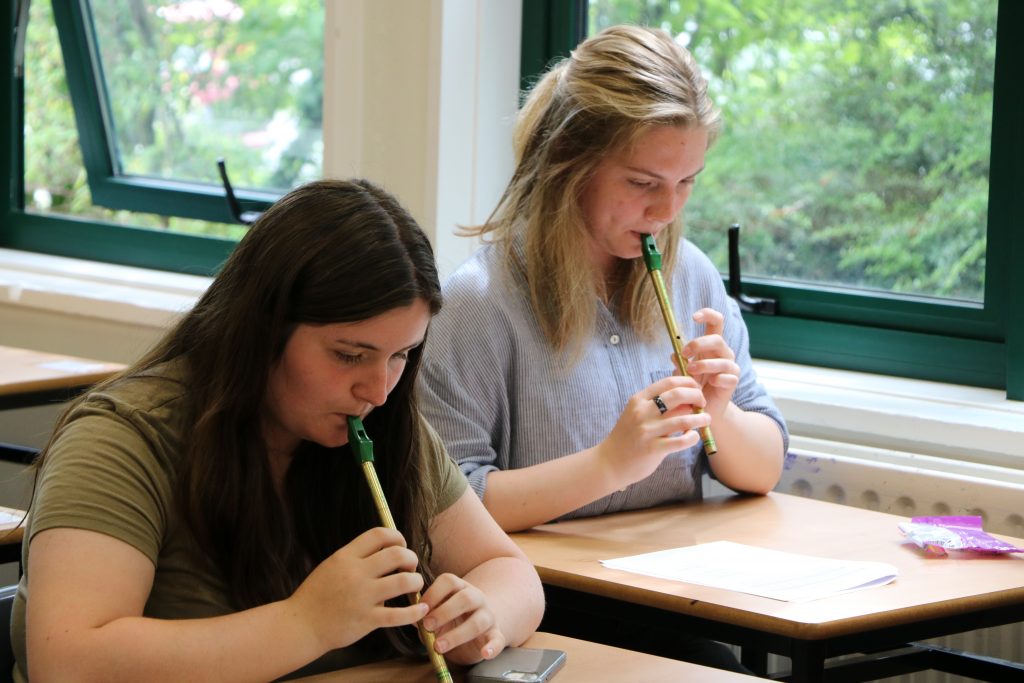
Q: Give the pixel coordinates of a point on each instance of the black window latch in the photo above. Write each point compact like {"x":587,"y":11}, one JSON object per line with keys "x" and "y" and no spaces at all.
{"x":240,"y":216}
{"x":751,"y":304}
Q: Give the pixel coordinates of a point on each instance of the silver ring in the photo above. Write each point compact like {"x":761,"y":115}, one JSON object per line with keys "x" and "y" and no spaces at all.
{"x":662,"y":408}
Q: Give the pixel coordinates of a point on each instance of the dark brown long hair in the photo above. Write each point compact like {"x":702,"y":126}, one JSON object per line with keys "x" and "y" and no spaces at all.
{"x":330,"y":251}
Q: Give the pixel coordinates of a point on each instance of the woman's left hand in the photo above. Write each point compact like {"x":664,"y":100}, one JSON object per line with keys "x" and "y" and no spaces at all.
{"x":465,"y":629}
{"x":712,"y":362}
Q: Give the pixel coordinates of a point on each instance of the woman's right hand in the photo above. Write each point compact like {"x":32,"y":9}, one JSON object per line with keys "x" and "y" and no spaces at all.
{"x":342,"y":599}
{"x":643,"y":435}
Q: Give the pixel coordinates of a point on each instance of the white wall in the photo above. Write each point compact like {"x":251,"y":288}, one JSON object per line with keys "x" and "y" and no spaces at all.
{"x":420,"y":99}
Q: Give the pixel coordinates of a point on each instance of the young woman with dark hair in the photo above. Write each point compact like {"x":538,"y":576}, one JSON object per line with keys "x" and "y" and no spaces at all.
{"x":201,"y":515}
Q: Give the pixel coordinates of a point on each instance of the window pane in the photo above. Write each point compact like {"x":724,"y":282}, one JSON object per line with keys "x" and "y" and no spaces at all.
{"x":856,"y":144}
{"x":190,"y":81}
{"x":55,"y":177}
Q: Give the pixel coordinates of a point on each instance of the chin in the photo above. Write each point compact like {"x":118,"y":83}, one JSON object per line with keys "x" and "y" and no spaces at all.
{"x":331,"y":440}
{"x":628,"y":254}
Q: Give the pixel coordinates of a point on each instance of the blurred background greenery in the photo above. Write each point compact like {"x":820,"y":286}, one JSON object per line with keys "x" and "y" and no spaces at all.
{"x":856,"y":142}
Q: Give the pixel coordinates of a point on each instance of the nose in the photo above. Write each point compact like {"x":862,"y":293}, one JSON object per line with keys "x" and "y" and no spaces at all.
{"x":373,"y":385}
{"x":665,"y":206}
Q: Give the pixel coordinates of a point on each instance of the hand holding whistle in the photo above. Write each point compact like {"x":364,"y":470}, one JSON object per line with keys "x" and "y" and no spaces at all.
{"x":652,"y":259}
{"x":362,"y":448}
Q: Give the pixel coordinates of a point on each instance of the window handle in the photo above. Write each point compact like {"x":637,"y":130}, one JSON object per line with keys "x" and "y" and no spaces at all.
{"x":243,"y":217}
{"x":751,"y":304}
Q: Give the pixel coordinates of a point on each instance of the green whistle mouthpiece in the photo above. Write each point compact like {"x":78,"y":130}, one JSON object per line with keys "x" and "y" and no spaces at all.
{"x":360,"y":443}
{"x":652,"y":257}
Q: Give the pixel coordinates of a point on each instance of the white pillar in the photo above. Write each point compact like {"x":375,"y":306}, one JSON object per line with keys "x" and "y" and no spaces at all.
{"x":419,"y":97}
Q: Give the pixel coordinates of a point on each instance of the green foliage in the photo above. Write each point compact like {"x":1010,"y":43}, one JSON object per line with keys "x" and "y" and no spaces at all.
{"x":183,"y":90}
{"x":857,"y":136}
{"x":188,"y":84}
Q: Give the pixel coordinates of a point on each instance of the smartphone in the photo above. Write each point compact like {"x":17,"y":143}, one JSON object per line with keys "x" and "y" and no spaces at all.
{"x":520,"y":664}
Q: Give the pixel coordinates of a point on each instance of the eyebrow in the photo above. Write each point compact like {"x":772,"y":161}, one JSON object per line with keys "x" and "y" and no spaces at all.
{"x":637,"y":169}
{"x":370,"y":347}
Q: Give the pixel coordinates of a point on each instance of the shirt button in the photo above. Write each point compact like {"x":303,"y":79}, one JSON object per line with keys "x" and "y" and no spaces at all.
{"x":614,"y":339}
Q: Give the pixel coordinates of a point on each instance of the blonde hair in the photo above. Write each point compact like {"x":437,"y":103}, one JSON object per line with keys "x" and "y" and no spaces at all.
{"x":614,"y":87}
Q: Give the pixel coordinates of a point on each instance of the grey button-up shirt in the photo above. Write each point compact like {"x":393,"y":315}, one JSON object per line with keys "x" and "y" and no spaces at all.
{"x":501,"y":398}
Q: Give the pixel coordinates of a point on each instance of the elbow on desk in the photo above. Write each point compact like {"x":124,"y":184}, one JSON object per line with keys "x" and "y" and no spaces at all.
{"x":753,"y":485}
{"x":761,"y":490}
{"x":533,"y":610}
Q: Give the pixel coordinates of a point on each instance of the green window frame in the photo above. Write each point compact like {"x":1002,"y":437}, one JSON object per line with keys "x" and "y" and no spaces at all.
{"x":109,"y":187}
{"x":894,"y":335}
{"x":975,"y":346}
{"x":89,"y":239}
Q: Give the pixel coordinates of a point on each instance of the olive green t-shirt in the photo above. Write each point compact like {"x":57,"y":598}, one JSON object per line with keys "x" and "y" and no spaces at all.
{"x":112,"y":469}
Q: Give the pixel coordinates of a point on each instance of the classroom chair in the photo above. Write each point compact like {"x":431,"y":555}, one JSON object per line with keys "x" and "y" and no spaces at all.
{"x":6,"y":651}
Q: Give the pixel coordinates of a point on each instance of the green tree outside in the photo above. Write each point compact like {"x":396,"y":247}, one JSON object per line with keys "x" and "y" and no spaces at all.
{"x":185,"y":82}
{"x":856,"y":142}
{"x":855,"y":150}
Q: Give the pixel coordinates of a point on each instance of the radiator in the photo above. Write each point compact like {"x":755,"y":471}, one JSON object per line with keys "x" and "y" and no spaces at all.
{"x":910,"y":484}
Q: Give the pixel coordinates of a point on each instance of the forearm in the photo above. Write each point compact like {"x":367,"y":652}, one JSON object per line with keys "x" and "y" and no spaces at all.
{"x":514,"y":595}
{"x":258,"y":644}
{"x":522,"y":498}
{"x":750,"y":456}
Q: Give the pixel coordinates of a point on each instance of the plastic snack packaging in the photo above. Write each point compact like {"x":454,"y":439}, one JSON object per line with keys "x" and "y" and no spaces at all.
{"x":940,"y":534}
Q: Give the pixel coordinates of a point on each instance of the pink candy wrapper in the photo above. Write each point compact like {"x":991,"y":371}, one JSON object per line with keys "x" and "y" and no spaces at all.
{"x":939,"y":534}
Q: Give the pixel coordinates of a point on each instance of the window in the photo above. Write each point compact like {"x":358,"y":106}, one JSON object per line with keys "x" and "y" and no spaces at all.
{"x":127,"y":108}
{"x":869,"y":154}
{"x":186,"y":80}
{"x":961,"y":322}
{"x":856,"y":150}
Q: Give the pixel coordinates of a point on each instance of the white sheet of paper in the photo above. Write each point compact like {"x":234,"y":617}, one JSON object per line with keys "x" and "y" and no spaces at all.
{"x":758,"y":571}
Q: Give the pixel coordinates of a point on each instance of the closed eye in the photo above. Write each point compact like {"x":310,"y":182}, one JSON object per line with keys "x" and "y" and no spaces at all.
{"x":692,"y":179}
{"x":348,"y":358}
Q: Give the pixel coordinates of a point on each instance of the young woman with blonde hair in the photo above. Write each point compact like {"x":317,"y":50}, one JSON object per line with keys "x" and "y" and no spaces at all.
{"x":549,"y":374}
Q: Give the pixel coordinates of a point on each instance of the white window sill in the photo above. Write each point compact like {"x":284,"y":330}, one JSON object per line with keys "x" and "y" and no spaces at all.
{"x":848,"y":413}
{"x":897,"y":419}
{"x":103,"y":291}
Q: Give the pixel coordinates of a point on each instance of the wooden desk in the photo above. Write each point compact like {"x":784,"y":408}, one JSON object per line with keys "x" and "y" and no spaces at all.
{"x":32,"y":378}
{"x":931,"y":597}
{"x":11,"y":533}
{"x":585,"y":663}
